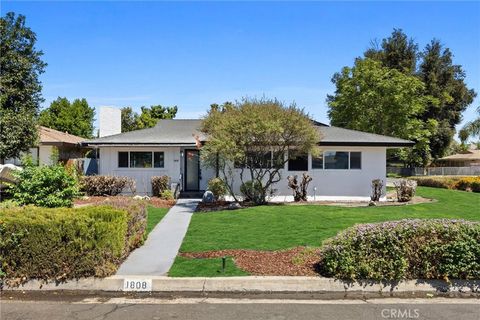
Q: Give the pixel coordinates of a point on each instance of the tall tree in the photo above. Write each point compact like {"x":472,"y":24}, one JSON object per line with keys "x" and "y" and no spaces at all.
{"x":75,"y":118}
{"x":147,"y":118}
{"x":20,"y":87}
{"x":446,"y":82}
{"x":396,"y":52}
{"x":383,"y":101}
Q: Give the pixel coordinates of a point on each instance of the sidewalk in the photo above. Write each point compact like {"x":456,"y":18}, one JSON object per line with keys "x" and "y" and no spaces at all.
{"x":156,"y":256}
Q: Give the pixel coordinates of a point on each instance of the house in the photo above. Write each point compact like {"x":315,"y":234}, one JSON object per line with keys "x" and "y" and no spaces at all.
{"x":469,"y":158}
{"x":67,"y":145}
{"x":349,"y":159}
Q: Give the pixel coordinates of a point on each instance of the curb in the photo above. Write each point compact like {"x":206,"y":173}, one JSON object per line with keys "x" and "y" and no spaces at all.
{"x":255,"y":284}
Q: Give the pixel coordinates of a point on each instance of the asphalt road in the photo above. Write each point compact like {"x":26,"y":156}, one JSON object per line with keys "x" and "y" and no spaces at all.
{"x":238,"y":309}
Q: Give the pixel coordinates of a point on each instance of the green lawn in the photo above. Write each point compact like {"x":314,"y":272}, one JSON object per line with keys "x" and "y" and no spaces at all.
{"x":278,"y":227}
{"x":154,"y":215}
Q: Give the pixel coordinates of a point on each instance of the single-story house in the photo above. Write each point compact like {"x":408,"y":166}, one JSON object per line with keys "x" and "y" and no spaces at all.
{"x":469,"y":158}
{"x":348,"y":162}
{"x":68,"y":146}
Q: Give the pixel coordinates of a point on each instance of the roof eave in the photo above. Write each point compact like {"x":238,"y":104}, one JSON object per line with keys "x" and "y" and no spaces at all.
{"x":367,"y":144}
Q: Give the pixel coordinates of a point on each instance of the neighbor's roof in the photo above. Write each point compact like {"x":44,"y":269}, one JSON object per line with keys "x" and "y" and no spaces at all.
{"x":50,"y":136}
{"x":468,"y":156}
{"x":187,"y":132}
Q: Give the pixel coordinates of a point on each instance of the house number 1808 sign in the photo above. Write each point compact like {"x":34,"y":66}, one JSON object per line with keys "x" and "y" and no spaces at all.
{"x":137,"y":285}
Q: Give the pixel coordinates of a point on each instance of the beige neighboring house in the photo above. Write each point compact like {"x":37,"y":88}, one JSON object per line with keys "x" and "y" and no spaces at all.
{"x":68,"y":146}
{"x":470,"y":158}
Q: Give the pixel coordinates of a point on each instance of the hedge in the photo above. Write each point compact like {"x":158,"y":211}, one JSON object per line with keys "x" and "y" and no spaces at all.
{"x":106,"y":185}
{"x":450,"y":182}
{"x":65,"y":243}
{"x":160,"y":184}
{"x":405,"y":249}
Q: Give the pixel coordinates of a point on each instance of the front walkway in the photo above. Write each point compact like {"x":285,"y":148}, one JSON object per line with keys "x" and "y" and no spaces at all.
{"x":156,"y":256}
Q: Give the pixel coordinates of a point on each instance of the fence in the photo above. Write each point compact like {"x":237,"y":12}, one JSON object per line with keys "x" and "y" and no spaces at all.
{"x":435,"y":171}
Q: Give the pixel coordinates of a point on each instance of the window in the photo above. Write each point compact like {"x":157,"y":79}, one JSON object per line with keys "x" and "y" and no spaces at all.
{"x":299,"y":163}
{"x":355,"y":160}
{"x":317,"y":162}
{"x":123,"y":159}
{"x":158,"y":160}
{"x":336,"y":159}
{"x":140,"y":159}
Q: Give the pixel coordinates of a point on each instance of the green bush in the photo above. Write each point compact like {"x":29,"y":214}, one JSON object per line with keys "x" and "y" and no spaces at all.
{"x":136,"y":219}
{"x":62,"y":243}
{"x":106,"y":185}
{"x":167,"y":195}
{"x":251,"y":190}
{"x":218,"y":188}
{"x":405,"y":249}
{"x":45,"y":186}
{"x":160,"y":184}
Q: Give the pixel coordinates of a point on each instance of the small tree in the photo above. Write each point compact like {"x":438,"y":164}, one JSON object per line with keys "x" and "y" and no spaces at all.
{"x":299,"y":189}
{"x":256,"y":138}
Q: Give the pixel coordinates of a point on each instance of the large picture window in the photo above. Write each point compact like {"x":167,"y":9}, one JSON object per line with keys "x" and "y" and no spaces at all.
{"x":141,"y":159}
{"x":336,"y":159}
{"x":355,"y":160}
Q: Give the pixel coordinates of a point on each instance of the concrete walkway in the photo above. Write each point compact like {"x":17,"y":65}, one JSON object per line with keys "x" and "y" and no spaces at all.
{"x":156,"y":256}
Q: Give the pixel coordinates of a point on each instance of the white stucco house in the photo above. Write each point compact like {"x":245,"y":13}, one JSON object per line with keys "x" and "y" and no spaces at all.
{"x":348,"y":162}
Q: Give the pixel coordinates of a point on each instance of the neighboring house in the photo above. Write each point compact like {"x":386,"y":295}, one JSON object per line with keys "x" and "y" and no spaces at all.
{"x":469,"y":158}
{"x":68,"y":147}
{"x":348,"y":163}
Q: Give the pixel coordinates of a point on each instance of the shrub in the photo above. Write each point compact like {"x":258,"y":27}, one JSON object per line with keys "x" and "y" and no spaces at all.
{"x":405,"y":249}
{"x":405,"y":189}
{"x":44,"y":186}
{"x":218,"y":188}
{"x":61,"y":243}
{"x":468,"y":184}
{"x":136,"y":219}
{"x":251,"y":190}
{"x":167,"y":195}
{"x":377,"y":190}
{"x":160,"y":184}
{"x":106,"y":185}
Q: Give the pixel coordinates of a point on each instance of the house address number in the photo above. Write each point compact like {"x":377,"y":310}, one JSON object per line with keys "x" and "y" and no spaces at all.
{"x":137,"y":285}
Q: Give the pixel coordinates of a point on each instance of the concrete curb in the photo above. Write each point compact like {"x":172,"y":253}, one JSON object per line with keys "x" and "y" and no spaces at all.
{"x":256,"y":284}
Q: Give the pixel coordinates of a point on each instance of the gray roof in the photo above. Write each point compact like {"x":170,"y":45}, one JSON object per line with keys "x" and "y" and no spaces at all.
{"x":187,"y":132}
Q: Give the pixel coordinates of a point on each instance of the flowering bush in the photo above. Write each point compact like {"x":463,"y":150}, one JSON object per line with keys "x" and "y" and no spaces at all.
{"x":405,"y":249}
{"x":458,"y":183}
{"x":468,"y":184}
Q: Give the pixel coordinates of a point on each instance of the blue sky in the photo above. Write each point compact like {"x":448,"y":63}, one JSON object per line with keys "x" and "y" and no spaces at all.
{"x":192,"y":54}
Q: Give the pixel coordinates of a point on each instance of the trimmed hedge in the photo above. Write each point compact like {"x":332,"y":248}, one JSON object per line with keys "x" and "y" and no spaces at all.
{"x":405,"y":249}
{"x":106,"y":185}
{"x":65,"y":243}
{"x":450,"y":182}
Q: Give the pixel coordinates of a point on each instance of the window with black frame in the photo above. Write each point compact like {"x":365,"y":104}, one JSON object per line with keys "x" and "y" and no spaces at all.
{"x":298,"y":163}
{"x":336,"y":159}
{"x":140,"y":159}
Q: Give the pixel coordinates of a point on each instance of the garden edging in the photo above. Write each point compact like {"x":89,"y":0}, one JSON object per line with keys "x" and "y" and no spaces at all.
{"x":254,"y":284}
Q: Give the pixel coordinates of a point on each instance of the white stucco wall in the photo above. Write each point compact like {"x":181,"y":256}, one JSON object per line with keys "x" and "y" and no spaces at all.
{"x":331,"y":184}
{"x":108,"y":165}
{"x":335,"y":184}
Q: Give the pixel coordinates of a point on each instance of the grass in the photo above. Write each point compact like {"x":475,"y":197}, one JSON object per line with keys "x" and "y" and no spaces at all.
{"x":279,"y":227}
{"x":154,"y":216}
{"x":185,"y":267}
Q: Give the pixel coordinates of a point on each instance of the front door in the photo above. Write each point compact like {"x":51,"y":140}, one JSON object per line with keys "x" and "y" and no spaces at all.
{"x":192,"y":170}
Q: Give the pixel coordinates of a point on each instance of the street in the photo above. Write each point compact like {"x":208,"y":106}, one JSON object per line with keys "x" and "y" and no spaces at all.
{"x":205,"y":308}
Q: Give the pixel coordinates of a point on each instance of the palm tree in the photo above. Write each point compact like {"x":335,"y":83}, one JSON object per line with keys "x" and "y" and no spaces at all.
{"x":471,"y":129}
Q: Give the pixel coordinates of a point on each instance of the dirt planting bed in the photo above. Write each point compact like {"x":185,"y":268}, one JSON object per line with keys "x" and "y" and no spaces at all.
{"x":154,"y":201}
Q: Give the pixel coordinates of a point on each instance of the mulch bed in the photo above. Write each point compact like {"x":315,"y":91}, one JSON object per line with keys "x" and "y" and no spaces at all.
{"x":154,"y":201}
{"x":299,"y":261}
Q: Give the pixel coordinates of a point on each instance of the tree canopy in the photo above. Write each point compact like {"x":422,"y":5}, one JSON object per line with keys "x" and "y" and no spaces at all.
{"x":147,"y":118}
{"x":258,"y":137}
{"x":20,"y":87}
{"x":443,"y":95}
{"x":75,"y":118}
